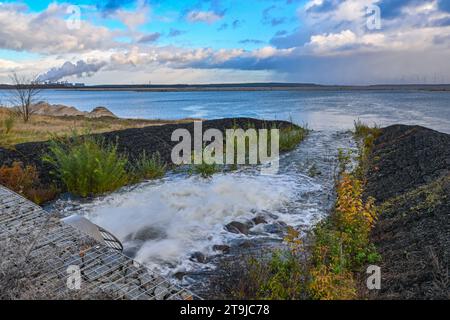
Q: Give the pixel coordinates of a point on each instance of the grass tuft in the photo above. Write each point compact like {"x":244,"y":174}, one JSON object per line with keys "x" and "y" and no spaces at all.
{"x":205,"y":170}
{"x":362,"y":130}
{"x":291,"y":137}
{"x":365,"y":137}
{"x":9,"y":123}
{"x":146,"y":167}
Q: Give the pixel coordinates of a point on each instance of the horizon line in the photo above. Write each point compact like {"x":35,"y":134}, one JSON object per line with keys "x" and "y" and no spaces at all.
{"x":228,"y":84}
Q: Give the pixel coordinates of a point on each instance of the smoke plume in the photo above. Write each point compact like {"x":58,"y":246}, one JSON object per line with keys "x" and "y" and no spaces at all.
{"x":79,"y":69}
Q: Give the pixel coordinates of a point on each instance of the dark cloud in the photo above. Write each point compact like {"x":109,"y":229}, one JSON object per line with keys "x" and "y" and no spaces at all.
{"x":251,"y":41}
{"x":287,"y":1}
{"x":444,"y":5}
{"x":236,"y":23}
{"x":223,"y":26}
{"x":297,"y":38}
{"x":325,"y":6}
{"x":110,"y":6}
{"x":392,"y":8}
{"x":389,"y":8}
{"x":151,"y":37}
{"x":269,"y":18}
{"x":267,"y":12}
{"x":277,"y":21}
{"x":215,"y":6}
{"x":79,"y":69}
{"x":441,"y":39}
{"x":281,"y":33}
{"x":175,"y":32}
{"x":366,"y":68}
{"x":444,"y":22}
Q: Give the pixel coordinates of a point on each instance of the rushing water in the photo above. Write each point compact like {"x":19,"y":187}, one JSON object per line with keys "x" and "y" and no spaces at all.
{"x":321,"y":110}
{"x":163,"y":223}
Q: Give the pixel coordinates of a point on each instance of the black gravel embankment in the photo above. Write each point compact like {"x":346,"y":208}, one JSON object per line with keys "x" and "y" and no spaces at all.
{"x":410,"y":178}
{"x":131,"y":142}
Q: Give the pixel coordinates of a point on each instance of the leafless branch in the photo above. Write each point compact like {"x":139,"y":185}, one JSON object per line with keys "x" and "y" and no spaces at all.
{"x":24,"y":95}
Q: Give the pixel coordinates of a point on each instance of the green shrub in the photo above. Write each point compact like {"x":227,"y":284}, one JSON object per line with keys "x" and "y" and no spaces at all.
{"x":204,"y":169}
{"x":87,"y":166}
{"x":362,"y":130}
{"x":342,"y":243}
{"x":365,"y":137}
{"x":148,"y":168}
{"x":9,"y":124}
{"x":324,"y":267}
{"x":271,"y":275}
{"x":344,"y":160}
{"x":290,"y":137}
{"x":287,"y":271}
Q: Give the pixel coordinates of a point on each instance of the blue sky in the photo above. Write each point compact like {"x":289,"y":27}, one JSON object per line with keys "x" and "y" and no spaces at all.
{"x":204,"y":41}
{"x":241,"y":20}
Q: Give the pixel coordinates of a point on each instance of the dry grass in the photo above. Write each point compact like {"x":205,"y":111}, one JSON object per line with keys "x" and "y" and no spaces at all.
{"x":42,"y":128}
{"x":25,"y":180}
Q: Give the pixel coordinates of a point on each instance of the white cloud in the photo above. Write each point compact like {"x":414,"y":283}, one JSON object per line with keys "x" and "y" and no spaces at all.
{"x":134,"y":18}
{"x":335,"y":40}
{"x":48,"y":32}
{"x":8,"y":65}
{"x":208,"y":17}
{"x":346,"y":41}
{"x":312,"y":3}
{"x":268,"y":52}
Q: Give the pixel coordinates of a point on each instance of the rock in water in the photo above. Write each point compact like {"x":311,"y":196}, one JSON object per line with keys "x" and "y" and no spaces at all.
{"x":224,"y":248}
{"x":198,"y":257}
{"x":148,"y":233}
{"x":237,"y":227}
{"x":101,"y":112}
{"x":259,"y":220}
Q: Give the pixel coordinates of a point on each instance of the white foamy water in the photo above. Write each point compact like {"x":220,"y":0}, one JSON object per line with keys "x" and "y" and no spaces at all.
{"x":163,"y":223}
{"x":170,"y":220}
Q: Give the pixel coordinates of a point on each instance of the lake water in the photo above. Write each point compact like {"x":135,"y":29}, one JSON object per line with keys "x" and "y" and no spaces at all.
{"x":321,"y":110}
{"x":164,"y":223}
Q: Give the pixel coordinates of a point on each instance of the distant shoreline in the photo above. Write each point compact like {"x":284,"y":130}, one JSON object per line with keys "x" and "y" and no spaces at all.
{"x":246,"y":87}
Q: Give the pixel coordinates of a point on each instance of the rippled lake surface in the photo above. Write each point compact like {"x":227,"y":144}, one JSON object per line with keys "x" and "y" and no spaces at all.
{"x":321,"y":110}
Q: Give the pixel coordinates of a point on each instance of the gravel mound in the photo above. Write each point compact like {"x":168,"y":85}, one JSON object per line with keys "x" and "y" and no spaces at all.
{"x":410,"y":179}
{"x":131,"y":142}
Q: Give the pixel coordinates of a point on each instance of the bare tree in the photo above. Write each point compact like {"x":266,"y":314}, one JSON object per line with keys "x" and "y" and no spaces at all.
{"x":24,"y":94}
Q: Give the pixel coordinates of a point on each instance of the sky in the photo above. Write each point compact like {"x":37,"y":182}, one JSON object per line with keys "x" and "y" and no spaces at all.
{"x":226,"y":41}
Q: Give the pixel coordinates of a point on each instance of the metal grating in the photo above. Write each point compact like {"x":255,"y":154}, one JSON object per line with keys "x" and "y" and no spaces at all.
{"x":102,"y":268}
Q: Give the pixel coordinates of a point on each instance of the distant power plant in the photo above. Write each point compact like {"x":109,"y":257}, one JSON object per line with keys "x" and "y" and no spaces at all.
{"x":63,"y":83}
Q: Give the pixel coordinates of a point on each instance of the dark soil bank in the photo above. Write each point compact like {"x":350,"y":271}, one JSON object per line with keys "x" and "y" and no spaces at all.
{"x":410,"y":179}
{"x":131,"y":142}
